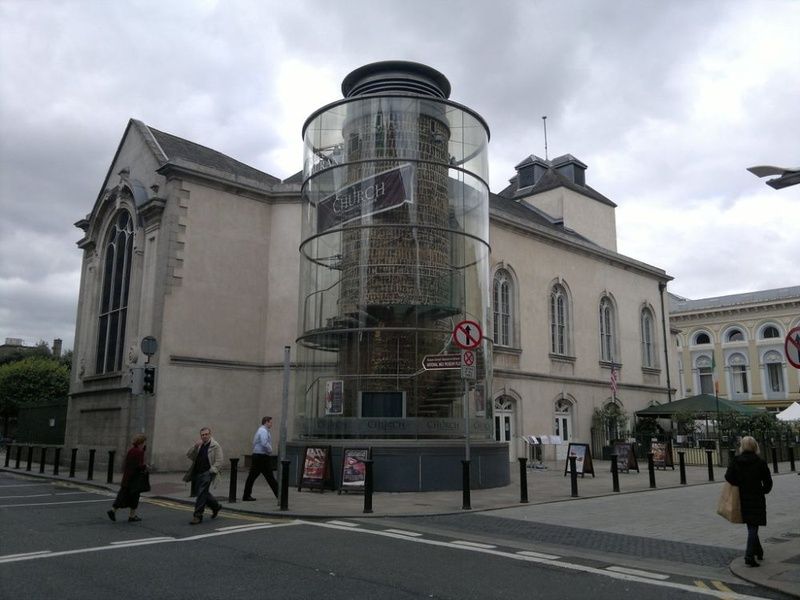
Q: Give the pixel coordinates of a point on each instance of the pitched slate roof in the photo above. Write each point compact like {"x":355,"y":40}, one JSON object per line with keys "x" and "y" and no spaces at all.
{"x":679,"y":305}
{"x":177,"y":149}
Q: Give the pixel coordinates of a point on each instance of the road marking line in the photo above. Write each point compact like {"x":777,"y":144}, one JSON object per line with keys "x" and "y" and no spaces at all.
{"x":51,"y":503}
{"x":538,"y":555}
{"x":119,"y":546}
{"x":233,"y":527}
{"x":721,"y":586}
{"x":561,"y":564}
{"x":471,"y":544}
{"x":142,"y":541}
{"x":701,"y":584}
{"x":39,"y":553}
{"x":638,"y":572}
{"x":23,"y":485}
{"x":343,"y":523}
{"x":41,"y":495}
{"x":403,"y":532}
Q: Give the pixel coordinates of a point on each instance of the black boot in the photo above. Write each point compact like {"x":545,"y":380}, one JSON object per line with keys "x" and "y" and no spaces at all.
{"x":750,"y":561}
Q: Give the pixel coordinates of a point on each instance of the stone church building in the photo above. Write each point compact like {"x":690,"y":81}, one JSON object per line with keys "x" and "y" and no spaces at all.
{"x":200,"y":251}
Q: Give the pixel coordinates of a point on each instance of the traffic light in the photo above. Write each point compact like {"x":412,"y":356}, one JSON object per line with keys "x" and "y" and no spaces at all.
{"x":149,"y":380}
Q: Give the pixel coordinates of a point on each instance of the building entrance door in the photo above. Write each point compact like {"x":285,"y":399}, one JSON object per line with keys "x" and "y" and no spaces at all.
{"x":504,"y":425}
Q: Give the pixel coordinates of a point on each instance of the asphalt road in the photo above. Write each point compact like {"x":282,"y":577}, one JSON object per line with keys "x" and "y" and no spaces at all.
{"x":56,"y":542}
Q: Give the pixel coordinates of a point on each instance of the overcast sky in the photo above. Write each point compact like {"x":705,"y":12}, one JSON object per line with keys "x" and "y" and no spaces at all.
{"x":667,"y":103}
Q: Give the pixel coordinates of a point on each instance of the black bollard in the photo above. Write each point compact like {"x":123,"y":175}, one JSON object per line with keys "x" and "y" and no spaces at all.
{"x":774,"y":459}
{"x":73,"y":459}
{"x":42,"y":458}
{"x":56,"y":460}
{"x":90,"y":472}
{"x":8,"y":455}
{"x":710,"y":465}
{"x":285,"y":484}
{"x":523,"y":481}
{"x":791,"y":458}
{"x":19,"y":454}
{"x":682,"y":464}
{"x":234,"y":476}
{"x":368,"y":485}
{"x":651,"y":469}
{"x":465,"y":499}
{"x":614,"y":472}
{"x":573,"y":475}
{"x":30,"y":458}
{"x":110,"y":472}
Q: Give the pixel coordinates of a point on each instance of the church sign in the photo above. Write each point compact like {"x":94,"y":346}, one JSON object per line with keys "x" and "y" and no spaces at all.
{"x":372,"y":195}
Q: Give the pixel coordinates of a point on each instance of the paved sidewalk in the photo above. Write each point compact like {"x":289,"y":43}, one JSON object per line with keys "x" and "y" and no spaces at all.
{"x":675,"y":512}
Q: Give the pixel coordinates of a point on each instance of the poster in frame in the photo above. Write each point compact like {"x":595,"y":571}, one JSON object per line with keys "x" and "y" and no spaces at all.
{"x":583,"y":459}
{"x":354,"y":469}
{"x":316,"y":471}
{"x":662,"y":455}
{"x":626,"y":456}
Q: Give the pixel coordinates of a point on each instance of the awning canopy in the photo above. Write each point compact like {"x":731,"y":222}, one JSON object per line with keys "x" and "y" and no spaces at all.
{"x":704,"y":405}
{"x":792,"y":413}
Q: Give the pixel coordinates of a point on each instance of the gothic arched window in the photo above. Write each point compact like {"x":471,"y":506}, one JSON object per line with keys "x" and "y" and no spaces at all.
{"x":607,"y":328}
{"x":118,"y":252}
{"x":503,"y":315}
{"x":559,"y":320}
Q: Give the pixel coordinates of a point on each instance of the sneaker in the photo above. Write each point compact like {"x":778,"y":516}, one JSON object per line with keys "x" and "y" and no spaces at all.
{"x":248,"y":499}
{"x":196,"y":520}
{"x":215,"y":511}
{"x":112,"y":515}
{"x":134,"y":519}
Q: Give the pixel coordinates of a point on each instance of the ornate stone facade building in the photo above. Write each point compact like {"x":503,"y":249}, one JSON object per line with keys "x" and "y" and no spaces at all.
{"x":738,"y":340}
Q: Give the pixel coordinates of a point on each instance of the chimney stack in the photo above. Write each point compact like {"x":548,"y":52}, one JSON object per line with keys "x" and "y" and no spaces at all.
{"x":57,"y":348}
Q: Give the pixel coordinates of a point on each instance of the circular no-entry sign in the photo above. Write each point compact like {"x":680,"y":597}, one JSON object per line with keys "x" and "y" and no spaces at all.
{"x":467,"y":335}
{"x":792,"y":347}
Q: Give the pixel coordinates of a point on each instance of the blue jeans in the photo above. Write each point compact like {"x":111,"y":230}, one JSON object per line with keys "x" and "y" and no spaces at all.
{"x":753,"y":543}
{"x":202,"y":485}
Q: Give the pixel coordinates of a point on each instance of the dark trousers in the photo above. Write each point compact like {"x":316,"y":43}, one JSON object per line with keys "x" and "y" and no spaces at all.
{"x":260,"y":465}
{"x":202,"y":485}
{"x":753,"y":543}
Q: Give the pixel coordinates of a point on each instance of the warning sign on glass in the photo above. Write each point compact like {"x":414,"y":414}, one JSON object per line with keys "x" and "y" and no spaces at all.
{"x":370,"y":196}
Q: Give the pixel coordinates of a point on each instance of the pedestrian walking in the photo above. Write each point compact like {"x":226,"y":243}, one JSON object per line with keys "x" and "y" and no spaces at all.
{"x":750,"y":473}
{"x":260,"y":460}
{"x":206,"y":457}
{"x":130,"y":488}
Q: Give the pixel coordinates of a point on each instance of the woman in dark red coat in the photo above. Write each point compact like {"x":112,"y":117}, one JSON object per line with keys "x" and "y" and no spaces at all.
{"x":750,"y":474}
{"x":128,"y":495}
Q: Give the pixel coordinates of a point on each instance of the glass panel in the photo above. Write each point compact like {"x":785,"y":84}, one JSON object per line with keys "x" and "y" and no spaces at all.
{"x":394,"y":254}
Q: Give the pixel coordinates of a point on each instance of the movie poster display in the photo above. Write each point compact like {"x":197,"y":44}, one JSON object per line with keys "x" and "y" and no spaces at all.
{"x":354,"y":470}
{"x":317,"y":471}
{"x":334,"y":397}
{"x":626,"y":457}
{"x":583,"y":459}
{"x":662,"y":455}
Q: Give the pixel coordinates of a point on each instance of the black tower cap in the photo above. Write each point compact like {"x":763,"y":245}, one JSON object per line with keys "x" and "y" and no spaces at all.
{"x":393,"y":76}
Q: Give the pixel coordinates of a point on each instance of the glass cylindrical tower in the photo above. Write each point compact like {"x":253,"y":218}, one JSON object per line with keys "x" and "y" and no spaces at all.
{"x":394,"y":254}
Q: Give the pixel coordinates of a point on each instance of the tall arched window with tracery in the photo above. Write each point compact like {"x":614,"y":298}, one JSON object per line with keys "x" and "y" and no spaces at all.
{"x":607,"y":326}
{"x":648,"y":348}
{"x":118,"y":252}
{"x":559,"y":320}
{"x":503,"y":316}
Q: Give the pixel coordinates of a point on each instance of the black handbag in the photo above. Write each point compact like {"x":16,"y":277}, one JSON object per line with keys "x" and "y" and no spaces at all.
{"x":140,"y":483}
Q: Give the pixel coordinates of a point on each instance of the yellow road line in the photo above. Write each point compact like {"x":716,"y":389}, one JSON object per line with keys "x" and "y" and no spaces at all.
{"x":721,"y":586}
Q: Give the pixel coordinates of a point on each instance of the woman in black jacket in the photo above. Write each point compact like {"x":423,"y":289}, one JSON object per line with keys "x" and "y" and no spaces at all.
{"x":750,"y":474}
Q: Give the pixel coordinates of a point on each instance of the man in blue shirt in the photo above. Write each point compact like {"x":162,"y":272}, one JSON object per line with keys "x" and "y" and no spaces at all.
{"x":260,"y":460}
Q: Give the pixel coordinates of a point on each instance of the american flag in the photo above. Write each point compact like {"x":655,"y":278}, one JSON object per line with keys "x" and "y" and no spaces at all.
{"x":614,"y":379}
